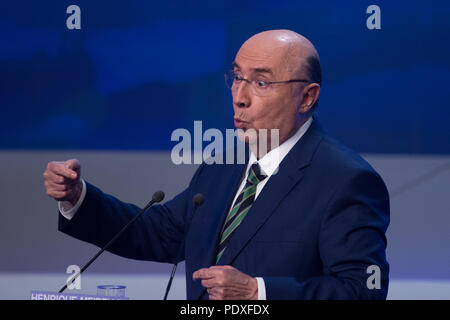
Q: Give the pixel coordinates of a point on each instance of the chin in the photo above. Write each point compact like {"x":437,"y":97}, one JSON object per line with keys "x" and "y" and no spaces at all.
{"x":249,"y":136}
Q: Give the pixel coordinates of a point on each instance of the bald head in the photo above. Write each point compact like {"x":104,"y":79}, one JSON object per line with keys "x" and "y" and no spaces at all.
{"x":291,"y":50}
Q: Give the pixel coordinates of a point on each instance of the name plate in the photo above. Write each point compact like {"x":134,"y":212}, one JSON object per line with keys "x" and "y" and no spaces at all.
{"x":46,"y":295}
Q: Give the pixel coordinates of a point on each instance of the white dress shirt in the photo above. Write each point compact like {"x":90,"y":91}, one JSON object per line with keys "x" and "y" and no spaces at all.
{"x":269,"y":164}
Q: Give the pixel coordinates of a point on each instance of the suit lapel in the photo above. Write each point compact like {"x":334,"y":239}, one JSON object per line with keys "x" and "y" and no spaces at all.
{"x":290,"y":173}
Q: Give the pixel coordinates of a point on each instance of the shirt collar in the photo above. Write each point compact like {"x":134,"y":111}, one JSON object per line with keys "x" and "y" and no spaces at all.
{"x":270,"y":162}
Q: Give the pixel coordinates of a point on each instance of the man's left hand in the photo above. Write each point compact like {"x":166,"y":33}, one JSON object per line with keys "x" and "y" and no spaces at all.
{"x":227,"y":283}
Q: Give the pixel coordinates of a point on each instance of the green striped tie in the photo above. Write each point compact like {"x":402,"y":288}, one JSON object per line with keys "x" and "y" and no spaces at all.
{"x":242,"y":205}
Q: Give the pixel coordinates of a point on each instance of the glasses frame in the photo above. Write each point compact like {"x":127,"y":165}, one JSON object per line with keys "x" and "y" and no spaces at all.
{"x":230,"y":75}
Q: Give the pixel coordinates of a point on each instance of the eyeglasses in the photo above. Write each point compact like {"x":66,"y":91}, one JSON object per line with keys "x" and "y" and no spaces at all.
{"x":260,"y":87}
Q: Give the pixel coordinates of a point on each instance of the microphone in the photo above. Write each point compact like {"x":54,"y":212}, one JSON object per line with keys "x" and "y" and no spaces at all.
{"x":198,"y":200}
{"x":158,"y":196}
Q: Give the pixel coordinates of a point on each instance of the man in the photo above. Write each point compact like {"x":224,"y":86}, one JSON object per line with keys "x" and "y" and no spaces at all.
{"x":304,"y":224}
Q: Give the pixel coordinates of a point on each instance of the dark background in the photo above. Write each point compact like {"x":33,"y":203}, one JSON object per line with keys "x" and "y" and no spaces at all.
{"x":137,"y":70}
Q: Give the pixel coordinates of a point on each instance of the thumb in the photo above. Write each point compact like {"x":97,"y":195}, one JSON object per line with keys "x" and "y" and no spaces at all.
{"x":73,"y":164}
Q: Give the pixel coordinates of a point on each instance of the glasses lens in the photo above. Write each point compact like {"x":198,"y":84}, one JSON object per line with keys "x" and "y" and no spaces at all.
{"x":257,"y":87}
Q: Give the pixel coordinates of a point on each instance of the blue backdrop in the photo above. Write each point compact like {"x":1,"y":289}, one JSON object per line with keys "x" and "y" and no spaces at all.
{"x":137,"y":70}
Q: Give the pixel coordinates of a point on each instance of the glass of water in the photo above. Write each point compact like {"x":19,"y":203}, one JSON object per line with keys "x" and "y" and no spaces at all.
{"x":111,"y":290}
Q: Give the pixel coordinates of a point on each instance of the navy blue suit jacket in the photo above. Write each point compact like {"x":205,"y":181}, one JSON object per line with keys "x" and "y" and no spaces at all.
{"x":311,"y":234}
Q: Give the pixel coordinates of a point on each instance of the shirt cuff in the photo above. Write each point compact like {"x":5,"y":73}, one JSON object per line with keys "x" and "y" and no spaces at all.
{"x":261,"y":289}
{"x":67,"y":209}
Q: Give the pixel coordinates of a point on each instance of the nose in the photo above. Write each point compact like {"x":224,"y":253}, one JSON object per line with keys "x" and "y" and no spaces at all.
{"x":241,"y":96}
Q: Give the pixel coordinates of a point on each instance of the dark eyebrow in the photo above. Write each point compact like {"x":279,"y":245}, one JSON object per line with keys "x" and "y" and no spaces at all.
{"x":257,"y":70}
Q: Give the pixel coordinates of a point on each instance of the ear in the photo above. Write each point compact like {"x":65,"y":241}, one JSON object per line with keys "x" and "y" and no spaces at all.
{"x":310,"y":96}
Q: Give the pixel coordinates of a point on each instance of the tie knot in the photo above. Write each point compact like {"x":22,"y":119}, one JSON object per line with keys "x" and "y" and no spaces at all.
{"x":256,"y":175}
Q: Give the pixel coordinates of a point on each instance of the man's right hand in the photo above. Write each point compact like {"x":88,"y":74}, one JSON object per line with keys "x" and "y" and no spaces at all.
{"x":62,"y":180}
